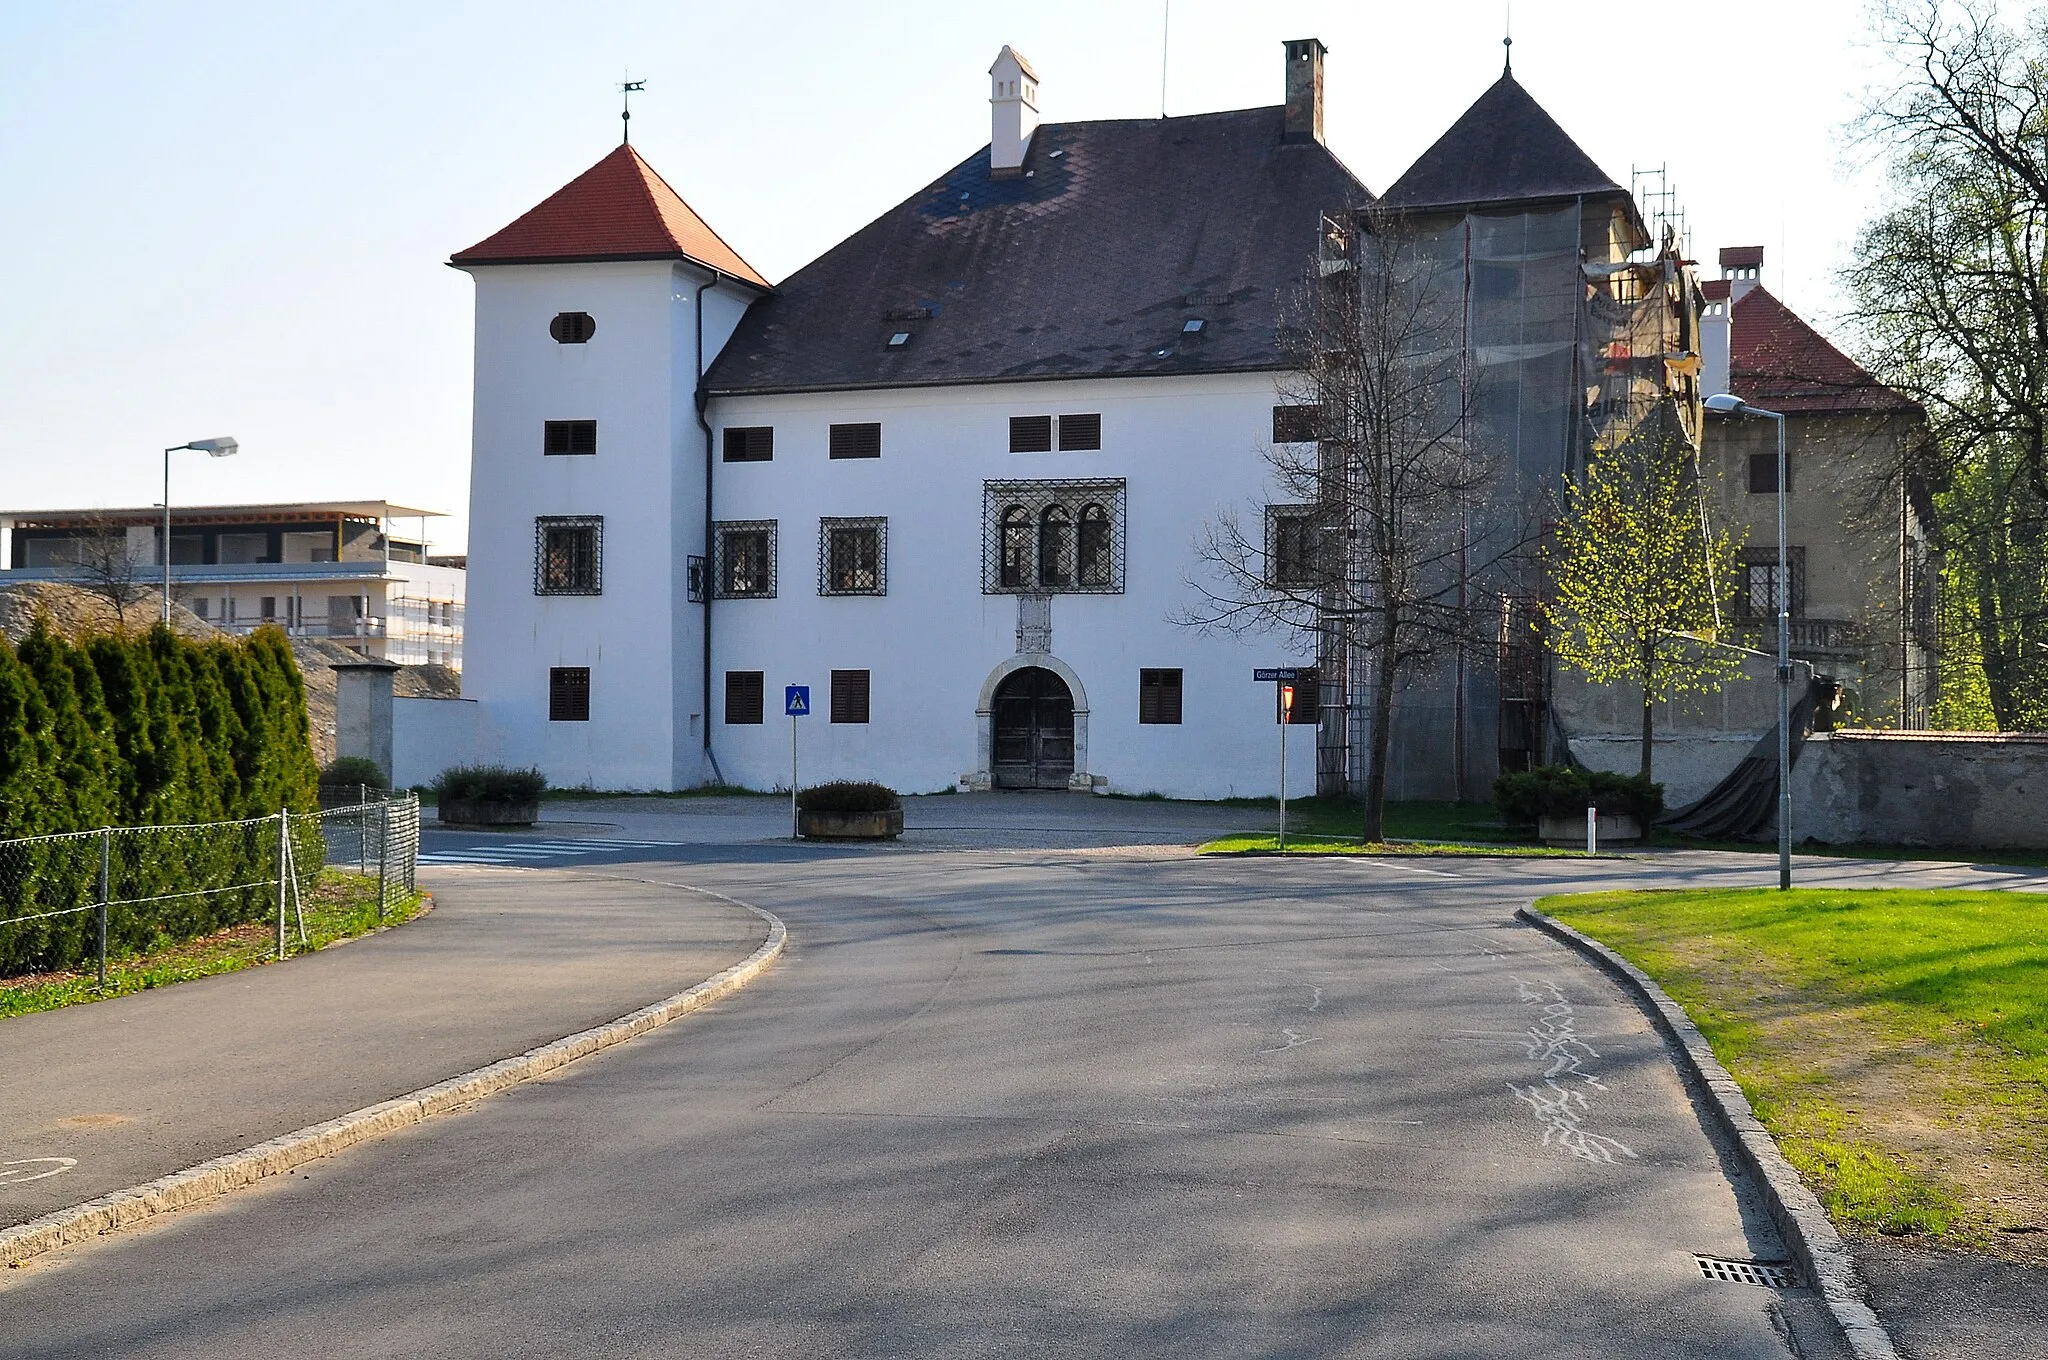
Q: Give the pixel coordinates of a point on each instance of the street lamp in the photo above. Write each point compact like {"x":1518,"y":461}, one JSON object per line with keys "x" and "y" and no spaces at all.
{"x":1728,"y":404}
{"x":219,"y":448}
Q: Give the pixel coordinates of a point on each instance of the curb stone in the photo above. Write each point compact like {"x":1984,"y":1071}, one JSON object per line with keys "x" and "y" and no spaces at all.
{"x":217,"y":1176}
{"x":1795,"y":1210}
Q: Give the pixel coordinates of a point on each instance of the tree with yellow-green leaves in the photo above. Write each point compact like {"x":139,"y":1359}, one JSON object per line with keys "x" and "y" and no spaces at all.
{"x":1639,"y":580}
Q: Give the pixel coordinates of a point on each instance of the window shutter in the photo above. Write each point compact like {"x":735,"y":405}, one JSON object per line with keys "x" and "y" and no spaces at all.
{"x":1296,"y":424}
{"x":750,"y":444}
{"x":569,"y":694}
{"x":743,"y":691}
{"x":1081,"y":432}
{"x":1159,"y":694}
{"x":857,"y":441}
{"x":572,"y":328}
{"x":567,"y":437}
{"x":849,"y":696}
{"x":1030,"y":434}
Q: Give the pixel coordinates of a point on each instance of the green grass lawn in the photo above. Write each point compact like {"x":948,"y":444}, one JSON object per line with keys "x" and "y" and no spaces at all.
{"x":341,"y":906}
{"x":1894,"y":1042}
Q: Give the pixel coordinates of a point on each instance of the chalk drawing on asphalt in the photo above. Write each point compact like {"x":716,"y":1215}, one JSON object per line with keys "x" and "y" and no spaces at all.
{"x":26,"y":1168}
{"x":1559,"y":1101}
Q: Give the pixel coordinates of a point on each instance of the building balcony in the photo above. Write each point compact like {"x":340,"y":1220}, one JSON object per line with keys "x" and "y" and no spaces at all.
{"x":1809,"y":637}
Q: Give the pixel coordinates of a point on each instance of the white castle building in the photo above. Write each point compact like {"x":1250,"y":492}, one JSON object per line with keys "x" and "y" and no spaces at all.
{"x":949,"y":476}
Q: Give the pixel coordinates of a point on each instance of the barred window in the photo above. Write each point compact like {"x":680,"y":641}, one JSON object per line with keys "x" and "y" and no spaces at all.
{"x":849,"y":696}
{"x":568,"y":555}
{"x":1296,"y":424}
{"x":569,"y":694}
{"x":1756,"y":595}
{"x":853,"y":556}
{"x":1053,"y":537}
{"x":745,"y":569}
{"x":750,"y":444}
{"x":568,"y":437}
{"x":856,"y":441}
{"x":743,"y":691}
{"x":1293,"y":546}
{"x":1159,"y":695}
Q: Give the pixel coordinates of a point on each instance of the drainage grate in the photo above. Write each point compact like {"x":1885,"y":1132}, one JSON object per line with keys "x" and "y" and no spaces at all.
{"x":1769,"y":1274}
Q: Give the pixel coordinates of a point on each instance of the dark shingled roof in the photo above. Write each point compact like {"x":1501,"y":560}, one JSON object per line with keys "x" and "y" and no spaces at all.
{"x":1087,"y":265}
{"x":1504,"y":149}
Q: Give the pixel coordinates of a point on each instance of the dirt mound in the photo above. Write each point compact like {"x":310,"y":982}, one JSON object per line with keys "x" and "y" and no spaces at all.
{"x":76,"y":612}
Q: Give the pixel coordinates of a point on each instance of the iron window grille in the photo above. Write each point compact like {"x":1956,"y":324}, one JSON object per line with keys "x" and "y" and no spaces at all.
{"x":750,"y":444}
{"x":572,"y":328}
{"x":1756,"y":596}
{"x":1159,"y":694}
{"x":1297,"y":424}
{"x":569,"y":694}
{"x":1294,"y":546}
{"x":856,"y":441}
{"x":1052,"y":537}
{"x":559,"y":437}
{"x":743,"y":691}
{"x":745,"y":565}
{"x":568,"y":555}
{"x":853,"y":556}
{"x":849,"y":696}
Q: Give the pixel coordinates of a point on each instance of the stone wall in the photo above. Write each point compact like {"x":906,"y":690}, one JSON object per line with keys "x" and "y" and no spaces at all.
{"x":1965,"y":789}
{"x":1699,"y":738}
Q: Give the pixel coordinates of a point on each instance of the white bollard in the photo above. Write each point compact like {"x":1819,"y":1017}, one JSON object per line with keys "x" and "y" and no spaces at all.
{"x":1592,"y":830}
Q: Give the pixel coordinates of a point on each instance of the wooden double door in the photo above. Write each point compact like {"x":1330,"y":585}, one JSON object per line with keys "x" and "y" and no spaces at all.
{"x":1033,"y":731}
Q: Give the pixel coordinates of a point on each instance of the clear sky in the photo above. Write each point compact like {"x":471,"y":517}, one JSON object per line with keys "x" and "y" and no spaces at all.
{"x":233,"y":218}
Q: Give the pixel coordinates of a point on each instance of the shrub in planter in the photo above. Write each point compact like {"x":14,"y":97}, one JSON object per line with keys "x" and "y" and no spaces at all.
{"x":350,"y":772}
{"x":849,"y":810}
{"x":1526,"y":797}
{"x":489,"y":795}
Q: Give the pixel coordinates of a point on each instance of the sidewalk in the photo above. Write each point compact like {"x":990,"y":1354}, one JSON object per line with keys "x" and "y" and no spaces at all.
{"x":143,"y":1085}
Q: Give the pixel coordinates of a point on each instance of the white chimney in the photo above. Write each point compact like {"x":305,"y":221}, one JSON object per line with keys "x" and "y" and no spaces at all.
{"x":1013,"y":111}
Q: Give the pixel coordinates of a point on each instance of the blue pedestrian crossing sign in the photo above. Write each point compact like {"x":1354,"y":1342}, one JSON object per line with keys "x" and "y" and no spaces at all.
{"x":796,"y":701}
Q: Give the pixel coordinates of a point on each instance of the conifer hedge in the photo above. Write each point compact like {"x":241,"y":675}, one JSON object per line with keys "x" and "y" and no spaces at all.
{"x":145,"y":730}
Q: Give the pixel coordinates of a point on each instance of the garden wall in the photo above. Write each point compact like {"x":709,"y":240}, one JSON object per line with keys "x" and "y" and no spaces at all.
{"x":1972,"y":790}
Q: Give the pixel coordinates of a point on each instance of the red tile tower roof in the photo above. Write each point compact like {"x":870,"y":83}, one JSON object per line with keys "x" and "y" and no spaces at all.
{"x":618,"y":209}
{"x":1779,"y":362}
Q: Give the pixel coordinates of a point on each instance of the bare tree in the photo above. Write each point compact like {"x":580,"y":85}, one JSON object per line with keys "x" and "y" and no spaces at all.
{"x":107,"y":564}
{"x":1368,"y":542}
{"x":1951,"y":287}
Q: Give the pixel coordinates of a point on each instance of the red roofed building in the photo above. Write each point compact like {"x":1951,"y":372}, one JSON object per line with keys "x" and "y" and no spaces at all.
{"x":1860,"y":578}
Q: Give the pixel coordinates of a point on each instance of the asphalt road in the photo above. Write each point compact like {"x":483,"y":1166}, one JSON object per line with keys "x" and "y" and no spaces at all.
{"x":1031,"y":1102}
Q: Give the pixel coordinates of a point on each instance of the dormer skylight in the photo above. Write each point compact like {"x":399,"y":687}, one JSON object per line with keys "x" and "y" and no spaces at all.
{"x":1192,"y":326}
{"x":899,"y":339}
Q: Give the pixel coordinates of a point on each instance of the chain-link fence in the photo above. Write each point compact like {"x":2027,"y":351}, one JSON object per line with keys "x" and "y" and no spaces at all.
{"x":68,"y":901}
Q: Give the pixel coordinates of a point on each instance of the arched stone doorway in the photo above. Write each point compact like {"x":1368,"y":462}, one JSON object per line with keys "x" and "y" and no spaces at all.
{"x":1031,"y":723}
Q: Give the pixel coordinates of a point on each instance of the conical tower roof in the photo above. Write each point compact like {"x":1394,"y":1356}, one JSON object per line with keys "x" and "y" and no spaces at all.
{"x":618,"y":209}
{"x":1504,"y":149}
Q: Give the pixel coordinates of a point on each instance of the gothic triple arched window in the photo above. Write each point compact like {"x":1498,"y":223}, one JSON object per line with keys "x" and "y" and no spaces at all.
{"x":1053,"y":537}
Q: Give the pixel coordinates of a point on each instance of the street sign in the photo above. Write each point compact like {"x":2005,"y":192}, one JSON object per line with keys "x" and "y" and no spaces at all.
{"x":796,"y":701}
{"x":1276,"y":673}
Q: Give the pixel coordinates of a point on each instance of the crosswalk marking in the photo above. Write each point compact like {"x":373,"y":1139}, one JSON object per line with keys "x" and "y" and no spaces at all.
{"x":536,"y":851}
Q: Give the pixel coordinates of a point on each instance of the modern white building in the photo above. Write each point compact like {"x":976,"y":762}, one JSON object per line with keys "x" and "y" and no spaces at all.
{"x":950,"y":476}
{"x":345,"y":570}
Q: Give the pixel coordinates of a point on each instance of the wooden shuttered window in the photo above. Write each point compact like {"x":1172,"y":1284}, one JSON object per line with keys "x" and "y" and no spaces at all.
{"x":1159,"y":694}
{"x":1297,"y":424}
{"x":749,"y":443}
{"x":1079,"y":433}
{"x":569,"y":694}
{"x":1030,"y":434}
{"x":849,"y":696}
{"x":572,"y":328}
{"x":562,"y":437}
{"x":743,"y":691}
{"x":856,"y":441}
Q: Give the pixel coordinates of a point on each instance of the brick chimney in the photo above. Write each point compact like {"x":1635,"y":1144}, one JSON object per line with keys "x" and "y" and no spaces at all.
{"x":1013,"y":111}
{"x":1305,"y":90}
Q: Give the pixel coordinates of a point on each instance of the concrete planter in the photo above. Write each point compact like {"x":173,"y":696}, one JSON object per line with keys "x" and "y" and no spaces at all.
{"x":479,"y":812}
{"x":1569,"y":831}
{"x":849,"y":826}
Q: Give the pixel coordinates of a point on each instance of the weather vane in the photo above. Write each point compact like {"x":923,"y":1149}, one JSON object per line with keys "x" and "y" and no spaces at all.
{"x":627,"y":89}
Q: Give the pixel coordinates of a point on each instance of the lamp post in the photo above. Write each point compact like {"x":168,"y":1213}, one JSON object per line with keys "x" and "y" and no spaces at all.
{"x":217,"y":448}
{"x":1728,"y":404}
